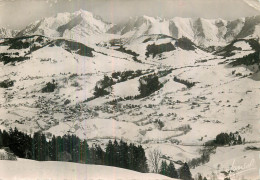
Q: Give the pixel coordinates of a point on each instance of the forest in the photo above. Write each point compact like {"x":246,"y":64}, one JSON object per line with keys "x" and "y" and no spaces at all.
{"x":71,"y":148}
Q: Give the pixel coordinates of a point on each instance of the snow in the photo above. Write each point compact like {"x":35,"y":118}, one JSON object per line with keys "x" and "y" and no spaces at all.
{"x":184,"y":27}
{"x":243,"y":163}
{"x":128,"y":88}
{"x":223,"y":99}
{"x":7,"y":33}
{"x":90,"y":25}
{"x":243,"y":45}
{"x":29,"y":169}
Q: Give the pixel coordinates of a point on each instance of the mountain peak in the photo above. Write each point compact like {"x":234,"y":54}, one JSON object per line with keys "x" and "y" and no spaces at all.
{"x":7,"y":33}
{"x":66,"y":24}
{"x":83,"y":13}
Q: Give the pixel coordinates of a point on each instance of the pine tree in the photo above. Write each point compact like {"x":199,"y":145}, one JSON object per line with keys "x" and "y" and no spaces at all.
{"x":116,"y":154}
{"x":6,"y":138}
{"x":164,"y":168}
{"x":109,"y":155}
{"x":141,"y":160}
{"x":52,"y":153}
{"x":135,"y":158}
{"x":239,"y":140}
{"x":59,"y":148}
{"x":85,"y":152}
{"x":75,"y":151}
{"x":130,"y":156}
{"x":43,"y":148}
{"x":1,"y":139}
{"x":92,"y":155}
{"x":171,"y":171}
{"x":100,"y":154}
{"x":185,"y":173}
{"x":123,"y":151}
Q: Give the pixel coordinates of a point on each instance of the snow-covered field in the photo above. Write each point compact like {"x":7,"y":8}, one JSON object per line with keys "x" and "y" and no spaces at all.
{"x":35,"y":170}
{"x":237,"y":161}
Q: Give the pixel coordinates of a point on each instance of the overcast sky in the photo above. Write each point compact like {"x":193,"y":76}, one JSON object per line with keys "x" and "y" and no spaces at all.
{"x":16,"y":14}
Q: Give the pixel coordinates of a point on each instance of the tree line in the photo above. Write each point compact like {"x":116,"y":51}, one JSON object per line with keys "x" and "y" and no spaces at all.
{"x":71,"y":148}
{"x":229,"y":139}
{"x":185,"y":82}
{"x":147,"y":84}
{"x":169,"y":170}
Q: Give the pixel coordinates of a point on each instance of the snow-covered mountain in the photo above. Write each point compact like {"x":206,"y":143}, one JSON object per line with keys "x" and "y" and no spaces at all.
{"x":80,"y":24}
{"x":51,"y":83}
{"x":203,"y":32}
{"x":7,"y":33}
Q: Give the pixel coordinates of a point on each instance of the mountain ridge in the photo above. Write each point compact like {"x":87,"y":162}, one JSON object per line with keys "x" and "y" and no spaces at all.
{"x":7,"y":33}
{"x":65,"y":24}
{"x":203,"y":32}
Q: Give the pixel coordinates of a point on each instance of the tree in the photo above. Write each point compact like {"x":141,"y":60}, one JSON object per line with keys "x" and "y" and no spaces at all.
{"x":100,"y":87}
{"x":100,"y":154}
{"x":109,"y":155}
{"x":149,"y":84}
{"x":52,"y":150}
{"x":19,"y":143}
{"x":99,"y":91}
{"x":239,"y":140}
{"x":163,"y":169}
{"x":71,"y":148}
{"x":171,"y":171}
{"x":5,"y":138}
{"x":223,"y":139}
{"x":185,"y":173}
{"x":123,"y":153}
{"x":1,"y":139}
{"x":141,"y":160}
{"x":154,"y":158}
{"x":49,"y":87}
{"x":85,"y":152}
{"x":116,"y":153}
{"x":130,"y":156}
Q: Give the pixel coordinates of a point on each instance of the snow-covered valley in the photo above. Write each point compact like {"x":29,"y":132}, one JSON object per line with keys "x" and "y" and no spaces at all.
{"x":48,"y":83}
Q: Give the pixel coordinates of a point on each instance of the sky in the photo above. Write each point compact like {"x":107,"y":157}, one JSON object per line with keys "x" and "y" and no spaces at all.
{"x":16,"y":14}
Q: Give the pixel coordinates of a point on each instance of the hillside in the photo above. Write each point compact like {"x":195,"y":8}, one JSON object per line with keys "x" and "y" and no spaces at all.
{"x":152,"y":82}
{"x":28,"y":169}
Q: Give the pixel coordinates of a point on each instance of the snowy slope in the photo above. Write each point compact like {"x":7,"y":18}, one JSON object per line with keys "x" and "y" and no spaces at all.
{"x":203,"y":32}
{"x":80,"y":24}
{"x":7,"y":33}
{"x":237,"y":162}
{"x":28,"y":169}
